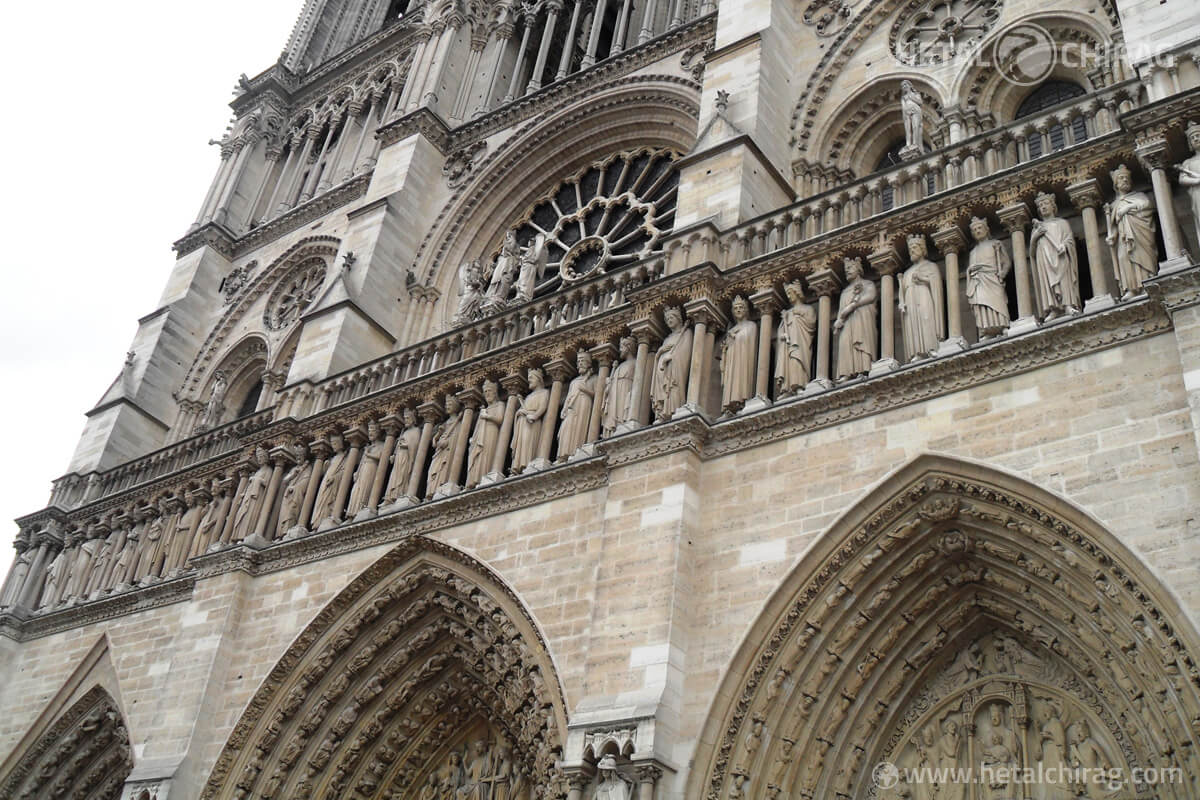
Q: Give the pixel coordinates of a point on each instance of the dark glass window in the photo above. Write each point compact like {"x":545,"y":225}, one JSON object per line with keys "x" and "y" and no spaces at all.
{"x":1050,"y":94}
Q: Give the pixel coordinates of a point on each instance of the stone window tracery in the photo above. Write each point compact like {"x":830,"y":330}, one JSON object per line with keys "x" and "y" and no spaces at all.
{"x":941,"y":30}
{"x":613,"y":213}
{"x":295,"y":294}
{"x":1050,"y":94}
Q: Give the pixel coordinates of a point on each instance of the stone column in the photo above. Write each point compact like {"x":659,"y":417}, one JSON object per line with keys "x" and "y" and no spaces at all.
{"x":539,"y":66}
{"x":392,"y":425}
{"x":560,"y":371}
{"x":471,"y":399}
{"x":1152,"y":152}
{"x":310,"y":183}
{"x":603,"y":355}
{"x":514,"y":386}
{"x":357,"y":437}
{"x":31,"y":590}
{"x":321,"y":451}
{"x":1085,"y":195}
{"x":1015,"y":218}
{"x":768,"y":303}
{"x":430,"y":413}
{"x":648,"y":776}
{"x":310,"y":136}
{"x":271,"y":158}
{"x":950,"y":241}
{"x":530,"y":17}
{"x":645,"y":331}
{"x":705,"y":316}
{"x":826,"y":284}
{"x":887,"y":262}
{"x":577,"y":782}
{"x":280,"y":456}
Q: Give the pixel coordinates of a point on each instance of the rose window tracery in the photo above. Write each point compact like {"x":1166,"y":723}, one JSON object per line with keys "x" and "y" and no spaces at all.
{"x":613,"y":213}
{"x":295,"y":294}
{"x":941,"y":30}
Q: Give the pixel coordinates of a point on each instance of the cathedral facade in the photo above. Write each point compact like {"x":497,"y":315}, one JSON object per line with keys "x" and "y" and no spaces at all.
{"x":655,"y":399}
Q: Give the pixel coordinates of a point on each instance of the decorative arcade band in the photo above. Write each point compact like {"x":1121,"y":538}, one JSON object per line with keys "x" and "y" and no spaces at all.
{"x":834,"y":324}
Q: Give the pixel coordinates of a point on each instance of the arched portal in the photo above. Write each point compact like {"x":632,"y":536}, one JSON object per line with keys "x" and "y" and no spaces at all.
{"x":83,"y":754}
{"x":425,"y":674}
{"x":957,"y":617}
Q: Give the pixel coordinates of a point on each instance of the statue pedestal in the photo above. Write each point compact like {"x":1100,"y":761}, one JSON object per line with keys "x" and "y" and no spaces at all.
{"x":364,"y":513}
{"x":817,"y":386}
{"x":1179,"y":262}
{"x":756,"y":403}
{"x":490,"y":478}
{"x":402,"y":502}
{"x":328,"y":523}
{"x":295,"y":532}
{"x":1022,"y":325}
{"x":955,"y":344}
{"x":537,"y":465}
{"x":446,"y":490}
{"x":256,"y":542}
{"x":584,"y":451}
{"x":1098,"y":303}
{"x":883,"y":366}
{"x":910,"y":152}
{"x":686,"y":410}
{"x":628,"y":426}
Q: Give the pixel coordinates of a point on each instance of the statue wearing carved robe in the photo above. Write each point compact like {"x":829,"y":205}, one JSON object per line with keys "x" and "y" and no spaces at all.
{"x":618,"y":395}
{"x":739,"y":353}
{"x":323,"y":506}
{"x":797,"y":327}
{"x":486,"y":437}
{"x":922,"y":300}
{"x":1055,"y":262}
{"x":1131,"y":234}
{"x":364,"y":476}
{"x":252,"y":497}
{"x":577,"y":408}
{"x":527,"y":428}
{"x":668,"y":385}
{"x":858,"y":332}
{"x":443,"y":447}
{"x":295,"y":485}
{"x":988,"y":265}
{"x":403,"y":456}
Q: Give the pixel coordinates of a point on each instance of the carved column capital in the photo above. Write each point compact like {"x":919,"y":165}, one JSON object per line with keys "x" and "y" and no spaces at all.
{"x":471,"y":397}
{"x":766,"y":300}
{"x":1015,"y":217}
{"x":430,"y":411}
{"x":949,"y":239}
{"x":704,"y":310}
{"x":646,"y":329}
{"x":514,"y":383}
{"x":885,"y":260}
{"x":1153,"y":151}
{"x":604,"y":354}
{"x":559,"y":369}
{"x":1085,"y":193}
{"x":825,"y":282}
{"x":648,"y":773}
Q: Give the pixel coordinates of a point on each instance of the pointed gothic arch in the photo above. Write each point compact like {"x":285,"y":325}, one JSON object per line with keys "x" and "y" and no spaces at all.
{"x":396,"y":683}
{"x":955,"y":593}
{"x":85,"y":753}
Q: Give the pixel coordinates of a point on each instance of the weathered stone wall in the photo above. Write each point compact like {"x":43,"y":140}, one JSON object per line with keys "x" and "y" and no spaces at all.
{"x":644,"y":588}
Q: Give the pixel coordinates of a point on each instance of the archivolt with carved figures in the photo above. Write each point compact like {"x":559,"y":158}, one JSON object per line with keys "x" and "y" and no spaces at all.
{"x":424,"y":676}
{"x":959,"y":617}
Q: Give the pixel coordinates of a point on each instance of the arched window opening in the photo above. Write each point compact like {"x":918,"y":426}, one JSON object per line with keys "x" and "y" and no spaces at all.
{"x":250,"y":402}
{"x":1048,"y":95}
{"x":889,"y":159}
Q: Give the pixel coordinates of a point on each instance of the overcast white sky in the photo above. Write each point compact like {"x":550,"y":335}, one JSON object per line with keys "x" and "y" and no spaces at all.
{"x":108,"y":107}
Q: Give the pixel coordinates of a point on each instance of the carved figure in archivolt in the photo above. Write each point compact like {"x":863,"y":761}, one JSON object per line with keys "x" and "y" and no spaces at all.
{"x":618,"y":394}
{"x":326,"y":499}
{"x":486,"y":437}
{"x":668,"y":386}
{"x":1131,"y":234}
{"x":403,"y":456}
{"x":922,"y":300}
{"x":797,"y":327}
{"x":856,"y":326}
{"x":988,"y":265}
{"x":364,"y":476}
{"x":252,"y":496}
{"x":612,"y":785}
{"x":527,"y":428}
{"x":295,"y":484}
{"x":739,"y":351}
{"x":1050,"y":751}
{"x":577,"y":408}
{"x":1054,"y":260}
{"x":1189,"y":174}
{"x":443,"y":446}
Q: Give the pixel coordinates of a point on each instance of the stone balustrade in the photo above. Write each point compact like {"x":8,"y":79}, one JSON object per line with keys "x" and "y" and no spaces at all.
{"x":1020,"y":253}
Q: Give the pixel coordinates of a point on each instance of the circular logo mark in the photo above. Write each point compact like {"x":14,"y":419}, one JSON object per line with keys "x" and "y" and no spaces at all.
{"x":1024,"y":55}
{"x":885,"y":775}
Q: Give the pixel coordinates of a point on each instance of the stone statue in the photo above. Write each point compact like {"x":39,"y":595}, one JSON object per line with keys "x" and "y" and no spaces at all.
{"x":1189,"y":174}
{"x":1055,"y":262}
{"x":1131,"y":234}
{"x":486,"y":437}
{"x":612,"y":786}
{"x":505,"y":779}
{"x":209,"y":529}
{"x":577,"y":408}
{"x":988,"y":266}
{"x":252,"y":496}
{"x":147,"y":568}
{"x":668,"y":384}
{"x":215,"y":407}
{"x":922,"y":302}
{"x":531,"y":265}
{"x":618,"y":395}
{"x":911,"y":110}
{"x":1085,"y":754}
{"x":470,"y":293}
{"x":503,"y":274}
{"x":948,"y":747}
{"x":797,"y":327}
{"x":1050,"y":750}
{"x":855,"y":326}
{"x":295,"y":485}
{"x":18,"y":573}
{"x":403,"y":456}
{"x":476,"y":776}
{"x":443,"y":446}
{"x":326,"y":499}
{"x":739,"y":354}
{"x":527,"y":428}
{"x":364,"y":475}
